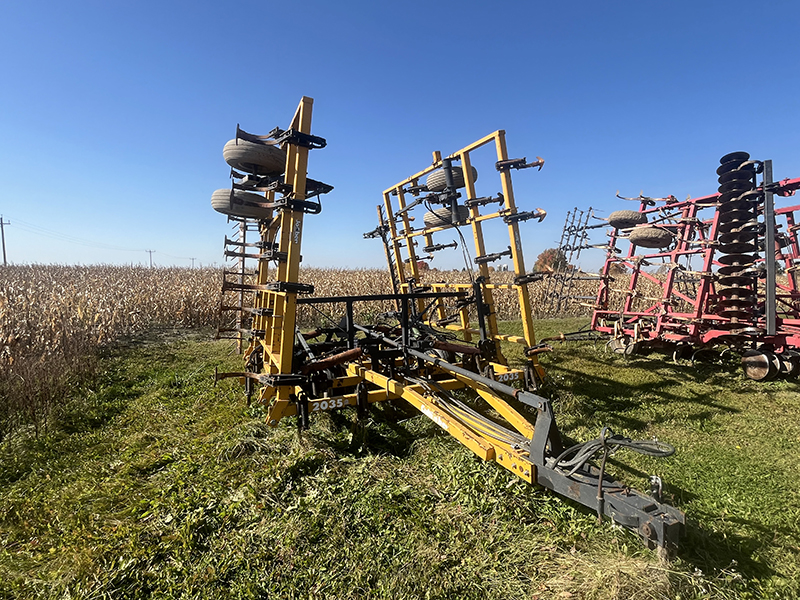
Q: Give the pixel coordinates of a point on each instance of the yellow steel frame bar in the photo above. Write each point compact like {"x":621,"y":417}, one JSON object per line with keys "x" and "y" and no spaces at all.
{"x":333,"y":401}
{"x":404,"y":238}
{"x":480,"y":444}
{"x":277,"y":344}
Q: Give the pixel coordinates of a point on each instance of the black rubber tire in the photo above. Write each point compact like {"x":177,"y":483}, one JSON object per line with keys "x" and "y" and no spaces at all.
{"x":760,"y":365}
{"x":791,"y":358}
{"x":618,"y":345}
{"x":650,"y":237}
{"x":442,"y":217}
{"x":623,"y":219}
{"x":435,"y":181}
{"x":221,"y":202}
{"x":682,"y":351}
{"x":257,"y":159}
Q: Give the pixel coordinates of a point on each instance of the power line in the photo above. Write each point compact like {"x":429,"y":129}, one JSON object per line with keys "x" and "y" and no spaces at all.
{"x":176,"y":257}
{"x":3,"y":235}
{"x":63,"y":237}
{"x":71,"y":239}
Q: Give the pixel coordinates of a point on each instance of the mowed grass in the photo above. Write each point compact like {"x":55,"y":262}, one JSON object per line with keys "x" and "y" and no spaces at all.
{"x":737,"y":461}
{"x":157,"y":484}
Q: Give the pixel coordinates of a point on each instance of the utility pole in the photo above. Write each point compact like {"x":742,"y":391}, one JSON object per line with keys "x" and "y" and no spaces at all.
{"x":193,"y":259}
{"x":3,"y":235}
{"x":151,"y":257}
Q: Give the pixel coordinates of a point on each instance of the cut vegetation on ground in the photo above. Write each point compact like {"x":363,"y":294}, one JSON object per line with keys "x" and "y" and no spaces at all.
{"x":152,"y":483}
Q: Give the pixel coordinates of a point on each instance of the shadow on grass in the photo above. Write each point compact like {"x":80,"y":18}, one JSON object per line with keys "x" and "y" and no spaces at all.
{"x":610,"y":394}
{"x":382,"y":432}
{"x":711,"y":551}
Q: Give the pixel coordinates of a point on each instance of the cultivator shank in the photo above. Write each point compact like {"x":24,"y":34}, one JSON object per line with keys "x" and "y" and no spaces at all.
{"x":440,"y":349}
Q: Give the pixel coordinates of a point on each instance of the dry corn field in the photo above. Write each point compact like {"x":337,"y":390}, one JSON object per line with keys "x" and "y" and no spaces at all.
{"x":53,"y":319}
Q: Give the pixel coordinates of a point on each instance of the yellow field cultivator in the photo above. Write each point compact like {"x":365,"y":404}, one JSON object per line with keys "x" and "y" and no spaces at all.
{"x":440,"y":349}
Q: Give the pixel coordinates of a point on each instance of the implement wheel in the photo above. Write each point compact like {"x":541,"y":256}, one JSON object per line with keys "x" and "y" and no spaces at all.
{"x":221,"y":202}
{"x":436,"y":183}
{"x":623,"y":219}
{"x":790,"y":364}
{"x":760,"y":365}
{"x":650,"y":237}
{"x":442,"y":217}
{"x":257,"y":159}
{"x":618,"y":345}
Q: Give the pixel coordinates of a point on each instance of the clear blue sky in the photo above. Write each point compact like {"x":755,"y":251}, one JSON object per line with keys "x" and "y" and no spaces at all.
{"x":113,"y":115}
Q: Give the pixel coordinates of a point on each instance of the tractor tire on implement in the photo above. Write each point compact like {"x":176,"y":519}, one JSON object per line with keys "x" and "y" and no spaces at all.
{"x":442,"y":217}
{"x":436,"y":182}
{"x":221,"y":202}
{"x":623,"y":219}
{"x":256,"y":159}
{"x":650,"y":237}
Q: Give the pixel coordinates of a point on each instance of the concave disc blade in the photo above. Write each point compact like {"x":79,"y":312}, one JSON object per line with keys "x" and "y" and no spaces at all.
{"x":737,"y":304}
{"x":732,"y":165}
{"x":752,"y":330}
{"x":736,"y":175}
{"x":726,"y":216}
{"x":751,"y":196}
{"x":735,"y":226}
{"x":728,"y":326}
{"x":735,"y":292}
{"x":739,"y":204}
{"x":737,"y":259}
{"x":738,"y":270}
{"x":728,"y":197}
{"x":739,"y":156}
{"x":736,"y":280}
{"x":738,"y":237}
{"x":758,"y":366}
{"x":736,"y":185}
{"x":737,"y":248}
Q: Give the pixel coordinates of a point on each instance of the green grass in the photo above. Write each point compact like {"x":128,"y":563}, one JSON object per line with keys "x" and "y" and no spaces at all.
{"x":737,"y":441}
{"x":157,"y":484}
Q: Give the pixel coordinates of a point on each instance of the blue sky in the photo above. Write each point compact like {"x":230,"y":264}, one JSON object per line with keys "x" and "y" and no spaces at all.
{"x":113,"y":115}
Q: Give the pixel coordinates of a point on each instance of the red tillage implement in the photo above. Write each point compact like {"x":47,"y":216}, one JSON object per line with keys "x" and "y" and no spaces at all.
{"x":719,"y":270}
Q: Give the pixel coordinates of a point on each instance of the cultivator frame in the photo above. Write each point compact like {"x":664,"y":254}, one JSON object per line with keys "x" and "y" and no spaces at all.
{"x":400,"y":240}
{"x":734,"y":297}
{"x":404,"y":355}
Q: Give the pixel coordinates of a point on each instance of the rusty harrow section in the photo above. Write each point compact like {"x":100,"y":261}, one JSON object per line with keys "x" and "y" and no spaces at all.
{"x":428,"y":352}
{"x":561,"y":298}
{"x":718,"y":270}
